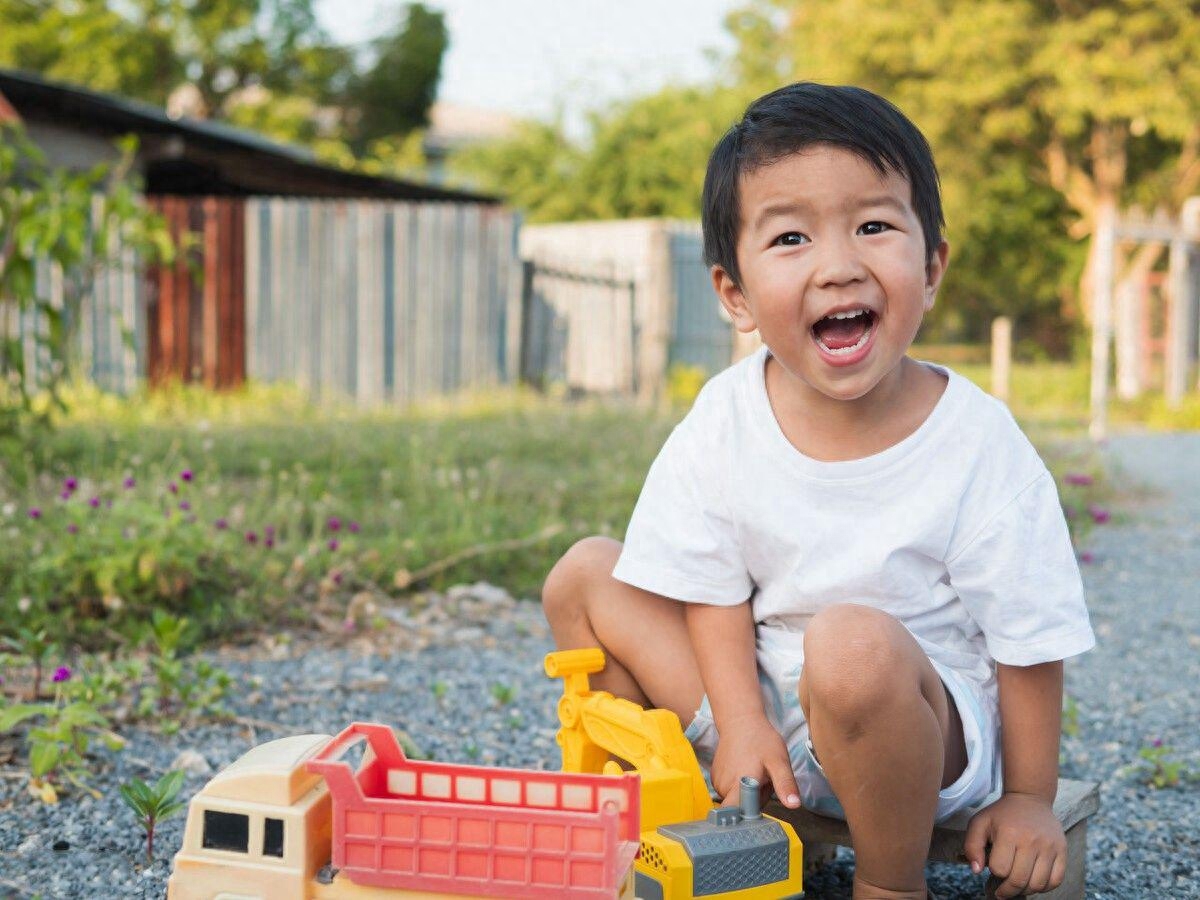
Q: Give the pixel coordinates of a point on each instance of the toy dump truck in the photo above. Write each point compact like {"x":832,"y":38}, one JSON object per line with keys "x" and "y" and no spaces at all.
{"x":690,"y":848}
{"x":293,"y":820}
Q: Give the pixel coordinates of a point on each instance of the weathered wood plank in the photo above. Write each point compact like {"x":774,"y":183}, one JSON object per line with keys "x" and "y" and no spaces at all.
{"x":1074,"y":803}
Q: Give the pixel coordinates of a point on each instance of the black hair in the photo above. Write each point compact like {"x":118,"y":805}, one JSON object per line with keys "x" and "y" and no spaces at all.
{"x":798,"y":116}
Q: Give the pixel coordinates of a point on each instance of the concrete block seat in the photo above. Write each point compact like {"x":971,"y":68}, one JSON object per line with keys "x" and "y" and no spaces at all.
{"x":1074,"y":804}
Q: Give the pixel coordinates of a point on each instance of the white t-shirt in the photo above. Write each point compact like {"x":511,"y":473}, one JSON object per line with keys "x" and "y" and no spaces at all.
{"x":956,"y":530}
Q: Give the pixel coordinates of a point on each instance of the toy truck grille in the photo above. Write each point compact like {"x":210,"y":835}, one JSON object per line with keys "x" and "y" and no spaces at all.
{"x":475,"y":829}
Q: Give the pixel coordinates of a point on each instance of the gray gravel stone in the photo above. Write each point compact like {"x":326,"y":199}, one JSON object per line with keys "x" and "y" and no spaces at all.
{"x":449,"y":658}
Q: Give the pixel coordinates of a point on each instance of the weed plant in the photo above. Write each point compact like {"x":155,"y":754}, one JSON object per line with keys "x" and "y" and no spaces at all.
{"x":291,"y":508}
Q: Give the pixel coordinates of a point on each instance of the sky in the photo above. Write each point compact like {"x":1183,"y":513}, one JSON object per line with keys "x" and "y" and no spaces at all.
{"x":524,"y":56}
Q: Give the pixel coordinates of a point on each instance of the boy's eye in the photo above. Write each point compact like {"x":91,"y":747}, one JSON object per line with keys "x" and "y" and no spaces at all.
{"x":791,"y":239}
{"x":874,"y":227}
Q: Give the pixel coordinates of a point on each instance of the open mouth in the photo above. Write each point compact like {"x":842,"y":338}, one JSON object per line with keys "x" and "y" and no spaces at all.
{"x":843,"y":333}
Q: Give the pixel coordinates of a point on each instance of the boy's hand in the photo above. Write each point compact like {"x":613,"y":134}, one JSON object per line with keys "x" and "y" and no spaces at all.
{"x":750,"y":745}
{"x":1028,"y":847}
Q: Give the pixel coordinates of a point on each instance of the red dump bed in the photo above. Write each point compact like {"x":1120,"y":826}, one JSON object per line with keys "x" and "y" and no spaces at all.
{"x":474,"y":829}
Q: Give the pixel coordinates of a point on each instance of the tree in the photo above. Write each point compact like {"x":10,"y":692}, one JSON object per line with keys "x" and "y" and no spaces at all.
{"x":147,"y":48}
{"x":393,"y":97}
{"x":536,"y":170}
{"x":1097,"y":101}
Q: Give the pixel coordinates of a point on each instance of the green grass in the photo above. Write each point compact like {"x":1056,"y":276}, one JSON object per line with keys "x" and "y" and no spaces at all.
{"x":421,"y":486}
{"x":493,"y":487}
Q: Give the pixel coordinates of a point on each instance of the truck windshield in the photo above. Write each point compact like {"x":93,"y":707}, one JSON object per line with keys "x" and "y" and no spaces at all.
{"x":227,"y":831}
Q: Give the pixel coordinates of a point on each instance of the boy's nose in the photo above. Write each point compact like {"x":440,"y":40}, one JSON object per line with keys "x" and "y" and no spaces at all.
{"x":838,"y":263}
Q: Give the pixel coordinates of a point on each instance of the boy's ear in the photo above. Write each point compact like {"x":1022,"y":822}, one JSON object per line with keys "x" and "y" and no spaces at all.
{"x":935,"y":270}
{"x":733,"y":300}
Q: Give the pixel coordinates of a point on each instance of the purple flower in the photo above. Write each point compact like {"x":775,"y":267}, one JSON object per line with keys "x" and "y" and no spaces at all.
{"x":333,"y":544}
{"x":186,"y":474}
{"x":334,"y":524}
{"x":128,"y":483}
{"x":269,"y":542}
{"x":94,"y":503}
{"x":1157,"y":742}
{"x":184,"y":505}
{"x":220,"y":524}
{"x":353,"y":526}
{"x":1079,"y":479}
{"x":1087,"y":556}
{"x":337,"y":577}
{"x":251,"y":537}
{"x":35,"y":513}
{"x":1099,"y":514}
{"x":70,"y":484}
{"x":72,"y":528}
{"x":62,"y":673}
{"x":269,"y":530}
{"x":173,"y":488}
{"x":65,"y":495}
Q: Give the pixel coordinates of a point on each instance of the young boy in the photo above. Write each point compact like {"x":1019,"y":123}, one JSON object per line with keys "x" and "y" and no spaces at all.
{"x":851,"y":565}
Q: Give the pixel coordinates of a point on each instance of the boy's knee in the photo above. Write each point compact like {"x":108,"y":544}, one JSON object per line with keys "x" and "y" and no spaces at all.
{"x":566,"y":586}
{"x":853,"y":661}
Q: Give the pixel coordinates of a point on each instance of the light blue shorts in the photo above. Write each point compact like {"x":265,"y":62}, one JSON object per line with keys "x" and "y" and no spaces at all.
{"x":977,"y":786}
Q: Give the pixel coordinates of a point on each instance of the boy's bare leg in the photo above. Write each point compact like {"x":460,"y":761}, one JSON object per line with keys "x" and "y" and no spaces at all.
{"x":648,"y":654}
{"x":886,"y":735}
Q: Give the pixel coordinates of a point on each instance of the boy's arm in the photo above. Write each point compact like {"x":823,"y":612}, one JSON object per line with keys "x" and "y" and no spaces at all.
{"x":1028,"y":848}
{"x":723,"y":641}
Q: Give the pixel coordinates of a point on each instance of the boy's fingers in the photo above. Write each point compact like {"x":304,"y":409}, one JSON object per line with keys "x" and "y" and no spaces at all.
{"x":1058,"y":871}
{"x":783,"y":782}
{"x":1018,"y":874}
{"x":975,"y":842}
{"x":1040,"y":876}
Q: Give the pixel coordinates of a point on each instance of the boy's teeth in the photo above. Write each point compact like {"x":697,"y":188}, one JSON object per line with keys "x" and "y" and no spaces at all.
{"x":847,"y":315}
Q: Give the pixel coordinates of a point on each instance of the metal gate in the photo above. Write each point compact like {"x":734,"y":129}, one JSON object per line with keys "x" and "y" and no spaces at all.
{"x":579,"y":329}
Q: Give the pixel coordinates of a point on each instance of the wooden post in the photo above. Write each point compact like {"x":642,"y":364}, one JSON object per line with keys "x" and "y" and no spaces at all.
{"x":1127,"y":328}
{"x":1106,"y":246}
{"x":1176,"y":367}
{"x":1189,"y":224}
{"x":1001,"y":356}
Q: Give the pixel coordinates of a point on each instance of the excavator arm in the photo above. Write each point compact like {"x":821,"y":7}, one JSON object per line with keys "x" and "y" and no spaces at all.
{"x":596,"y":727}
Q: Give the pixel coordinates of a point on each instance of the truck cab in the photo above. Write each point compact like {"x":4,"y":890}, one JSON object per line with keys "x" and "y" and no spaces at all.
{"x":260,"y":830}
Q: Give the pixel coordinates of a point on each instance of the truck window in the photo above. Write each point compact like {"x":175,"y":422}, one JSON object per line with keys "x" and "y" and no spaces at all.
{"x":273,"y":837}
{"x":226,"y":831}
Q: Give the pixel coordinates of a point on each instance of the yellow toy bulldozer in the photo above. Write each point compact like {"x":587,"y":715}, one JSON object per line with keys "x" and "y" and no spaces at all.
{"x":689,"y":847}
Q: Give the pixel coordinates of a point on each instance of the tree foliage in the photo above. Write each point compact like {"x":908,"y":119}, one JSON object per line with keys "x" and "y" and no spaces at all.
{"x":1040,"y":112}
{"x":393,"y":96}
{"x":261,"y":64}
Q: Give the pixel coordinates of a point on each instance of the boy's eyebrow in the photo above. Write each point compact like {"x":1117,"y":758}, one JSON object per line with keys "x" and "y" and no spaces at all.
{"x":801,"y":206}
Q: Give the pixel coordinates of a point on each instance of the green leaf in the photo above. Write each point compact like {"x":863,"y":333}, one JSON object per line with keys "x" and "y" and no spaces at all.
{"x":43,"y":757}
{"x":12,"y":716}
{"x":167,"y":787}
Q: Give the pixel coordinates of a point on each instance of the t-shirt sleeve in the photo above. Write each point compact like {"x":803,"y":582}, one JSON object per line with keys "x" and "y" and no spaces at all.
{"x":681,"y":541}
{"x":1019,"y":580}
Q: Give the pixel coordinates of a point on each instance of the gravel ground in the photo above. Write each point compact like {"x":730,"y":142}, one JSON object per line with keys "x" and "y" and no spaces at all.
{"x":447,"y":681}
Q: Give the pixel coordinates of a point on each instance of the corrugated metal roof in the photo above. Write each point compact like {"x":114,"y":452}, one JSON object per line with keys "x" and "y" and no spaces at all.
{"x":35,"y":97}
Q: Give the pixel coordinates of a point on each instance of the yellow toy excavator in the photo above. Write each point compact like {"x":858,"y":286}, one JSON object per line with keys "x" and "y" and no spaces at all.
{"x":689,"y":847}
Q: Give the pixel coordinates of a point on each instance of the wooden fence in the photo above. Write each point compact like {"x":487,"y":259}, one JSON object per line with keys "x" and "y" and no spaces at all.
{"x":378,"y":301}
{"x":107,"y":332}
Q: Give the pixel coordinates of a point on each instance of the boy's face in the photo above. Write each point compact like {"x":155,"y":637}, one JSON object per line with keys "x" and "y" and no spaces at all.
{"x":824,"y":234}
